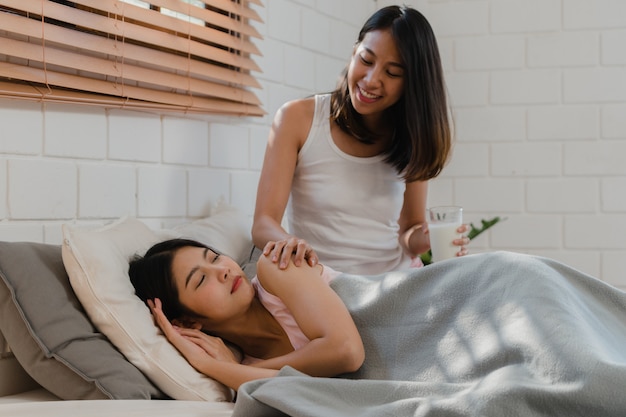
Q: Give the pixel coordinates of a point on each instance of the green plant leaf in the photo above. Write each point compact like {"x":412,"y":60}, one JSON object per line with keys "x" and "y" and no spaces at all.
{"x":486,"y":224}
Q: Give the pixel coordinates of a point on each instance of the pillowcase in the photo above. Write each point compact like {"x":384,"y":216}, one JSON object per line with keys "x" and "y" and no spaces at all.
{"x":50,"y":334}
{"x":97,"y":263}
{"x":226,"y":230}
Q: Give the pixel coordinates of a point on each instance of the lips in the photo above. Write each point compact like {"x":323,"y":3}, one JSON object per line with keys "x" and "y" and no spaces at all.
{"x":366,"y":97}
{"x":236,"y":284}
{"x":367,"y":94}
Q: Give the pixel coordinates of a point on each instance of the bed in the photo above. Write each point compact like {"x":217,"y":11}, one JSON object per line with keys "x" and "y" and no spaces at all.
{"x":489,"y":334}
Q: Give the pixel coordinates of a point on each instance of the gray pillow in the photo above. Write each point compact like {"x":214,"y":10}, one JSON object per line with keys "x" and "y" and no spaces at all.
{"x":50,"y":334}
{"x":249,"y":264}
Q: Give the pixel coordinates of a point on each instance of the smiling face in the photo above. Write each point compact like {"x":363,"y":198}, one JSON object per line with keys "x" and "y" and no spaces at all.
{"x":210,"y":285}
{"x":375,"y":75}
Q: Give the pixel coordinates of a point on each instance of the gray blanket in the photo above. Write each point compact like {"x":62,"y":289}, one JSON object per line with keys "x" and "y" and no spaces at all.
{"x":498,"y":334}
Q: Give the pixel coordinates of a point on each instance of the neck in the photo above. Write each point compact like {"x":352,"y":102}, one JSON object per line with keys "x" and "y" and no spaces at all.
{"x":256,"y":332}
{"x":378,"y":122}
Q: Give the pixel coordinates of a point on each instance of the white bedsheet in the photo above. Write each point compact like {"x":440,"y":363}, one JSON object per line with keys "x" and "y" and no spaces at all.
{"x":40,"y":394}
{"x":116,"y":408}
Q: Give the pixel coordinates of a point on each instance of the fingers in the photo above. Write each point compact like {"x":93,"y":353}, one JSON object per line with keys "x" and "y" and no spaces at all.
{"x":159,"y":317}
{"x":269,"y":246}
{"x":288,"y":249}
{"x":295,"y":249}
{"x":312,"y":258}
{"x":213,"y":346}
{"x":463,"y":240}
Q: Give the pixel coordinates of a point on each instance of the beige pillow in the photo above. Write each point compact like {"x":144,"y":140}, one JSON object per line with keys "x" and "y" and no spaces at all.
{"x":226,"y":229}
{"x":97,"y":263}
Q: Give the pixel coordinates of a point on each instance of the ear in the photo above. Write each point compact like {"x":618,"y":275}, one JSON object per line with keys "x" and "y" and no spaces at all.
{"x":187,"y":323}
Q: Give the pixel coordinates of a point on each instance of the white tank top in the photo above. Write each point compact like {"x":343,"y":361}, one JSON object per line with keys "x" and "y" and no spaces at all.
{"x":346,"y":207}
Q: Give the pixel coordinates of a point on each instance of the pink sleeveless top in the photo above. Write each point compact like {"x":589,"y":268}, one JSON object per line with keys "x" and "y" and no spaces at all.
{"x":282,"y":314}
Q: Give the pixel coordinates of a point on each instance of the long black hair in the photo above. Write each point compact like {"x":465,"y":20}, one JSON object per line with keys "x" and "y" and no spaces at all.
{"x":422,"y":139}
{"x":152,"y":275}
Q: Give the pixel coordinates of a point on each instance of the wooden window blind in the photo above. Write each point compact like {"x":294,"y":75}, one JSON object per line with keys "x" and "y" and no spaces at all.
{"x":192,"y":56}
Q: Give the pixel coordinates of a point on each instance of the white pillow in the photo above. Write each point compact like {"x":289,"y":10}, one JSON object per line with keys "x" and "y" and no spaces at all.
{"x":96,"y":261}
{"x":227,"y":230}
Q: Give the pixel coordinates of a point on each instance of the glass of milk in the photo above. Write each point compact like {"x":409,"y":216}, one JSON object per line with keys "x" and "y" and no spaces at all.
{"x":442,"y":224}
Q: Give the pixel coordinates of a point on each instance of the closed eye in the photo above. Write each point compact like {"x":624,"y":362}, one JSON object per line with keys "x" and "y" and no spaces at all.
{"x":200,"y":281}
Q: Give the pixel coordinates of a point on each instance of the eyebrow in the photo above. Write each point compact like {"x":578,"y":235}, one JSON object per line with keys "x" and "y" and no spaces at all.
{"x":194,"y":269}
{"x":395,"y":64}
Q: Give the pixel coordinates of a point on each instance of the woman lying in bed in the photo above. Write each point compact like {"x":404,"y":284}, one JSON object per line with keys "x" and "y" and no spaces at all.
{"x":204,"y":291}
{"x":481,"y":335}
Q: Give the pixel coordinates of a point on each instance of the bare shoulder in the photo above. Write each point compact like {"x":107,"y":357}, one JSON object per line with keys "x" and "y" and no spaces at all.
{"x":293,"y":120}
{"x":272,"y":277}
{"x":298,"y":109}
{"x":264,"y":265}
{"x":267,"y":271}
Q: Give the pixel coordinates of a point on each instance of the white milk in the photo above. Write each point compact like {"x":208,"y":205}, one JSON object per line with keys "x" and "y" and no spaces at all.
{"x":441,"y":237}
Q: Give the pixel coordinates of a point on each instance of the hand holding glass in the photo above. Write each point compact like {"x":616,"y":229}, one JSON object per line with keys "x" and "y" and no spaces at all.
{"x":443,"y":223}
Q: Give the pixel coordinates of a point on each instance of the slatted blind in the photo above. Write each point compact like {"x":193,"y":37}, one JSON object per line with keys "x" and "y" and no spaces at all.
{"x":190,"y":56}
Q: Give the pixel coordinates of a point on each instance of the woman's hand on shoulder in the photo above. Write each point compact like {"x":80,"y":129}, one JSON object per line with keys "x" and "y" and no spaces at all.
{"x":282,"y":251}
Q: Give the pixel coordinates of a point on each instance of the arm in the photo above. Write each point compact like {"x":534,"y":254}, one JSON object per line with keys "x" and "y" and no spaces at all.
{"x":207,"y":354}
{"x":413,"y":233}
{"x":289,"y":131}
{"x":335,"y":345}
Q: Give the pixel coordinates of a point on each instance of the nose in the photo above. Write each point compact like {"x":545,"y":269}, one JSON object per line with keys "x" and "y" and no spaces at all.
{"x":222,"y":273}
{"x":372,"y":77}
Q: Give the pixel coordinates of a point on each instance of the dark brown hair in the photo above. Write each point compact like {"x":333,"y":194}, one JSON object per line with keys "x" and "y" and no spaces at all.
{"x":422,"y":140}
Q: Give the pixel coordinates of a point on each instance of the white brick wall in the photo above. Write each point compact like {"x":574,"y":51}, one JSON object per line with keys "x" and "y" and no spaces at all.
{"x":567,"y":49}
{"x":595,"y":158}
{"x":162,"y":191}
{"x":4,"y":183}
{"x":75,"y":132}
{"x":613,"y":51}
{"x":596,"y":14}
{"x":527,"y":86}
{"x":22,"y":128}
{"x":538,"y":89}
{"x":106,"y":190}
{"x":42,"y":189}
{"x":525,"y":16}
{"x":613,"y":121}
{"x":525,"y":159}
{"x":185,"y":141}
{"x":584,"y":85}
{"x":556,"y":122}
{"x":126,"y":143}
{"x":229,"y":146}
